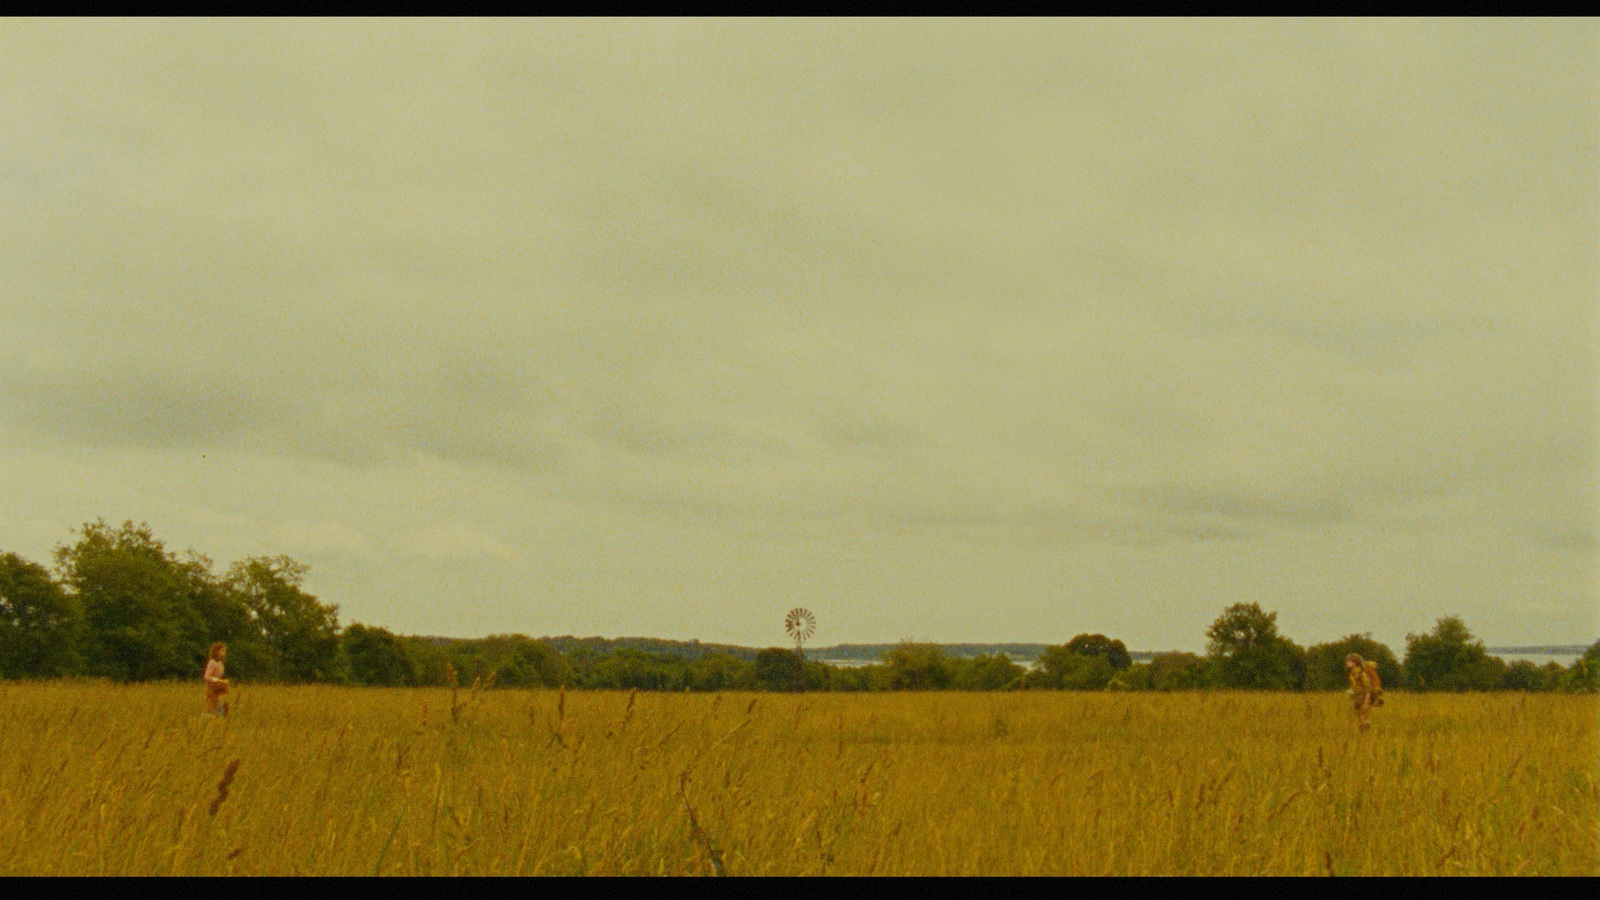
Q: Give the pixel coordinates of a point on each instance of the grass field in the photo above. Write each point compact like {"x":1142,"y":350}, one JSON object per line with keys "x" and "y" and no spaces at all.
{"x":318,"y":780}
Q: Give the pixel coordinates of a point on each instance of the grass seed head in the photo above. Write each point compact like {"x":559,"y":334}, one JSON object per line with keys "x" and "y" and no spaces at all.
{"x":222,"y":786}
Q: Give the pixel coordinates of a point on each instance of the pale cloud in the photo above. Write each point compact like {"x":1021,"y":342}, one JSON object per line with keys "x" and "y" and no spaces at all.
{"x":454,"y":541}
{"x":644,"y":321}
{"x":321,"y":537}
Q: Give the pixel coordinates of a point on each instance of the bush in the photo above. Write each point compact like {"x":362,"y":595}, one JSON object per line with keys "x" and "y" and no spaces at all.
{"x":918,"y":667}
{"x":720,"y":672}
{"x":1177,"y":671}
{"x":1061,"y":669}
{"x":985,"y":673}
{"x":375,"y":656}
{"x":1134,"y":678}
{"x":1523,"y":675}
{"x":626,"y":668}
{"x":514,"y":660}
{"x":777,"y":669}
{"x":1583,"y":676}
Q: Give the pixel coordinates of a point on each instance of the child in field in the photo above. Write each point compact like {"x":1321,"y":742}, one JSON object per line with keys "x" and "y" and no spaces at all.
{"x":216,"y":685}
{"x":1366,"y":691}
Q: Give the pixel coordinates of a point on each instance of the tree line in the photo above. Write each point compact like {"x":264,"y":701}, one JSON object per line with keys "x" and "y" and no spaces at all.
{"x":119,"y":605}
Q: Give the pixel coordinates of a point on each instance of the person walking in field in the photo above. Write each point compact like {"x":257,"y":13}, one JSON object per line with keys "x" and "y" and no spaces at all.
{"x":1366,"y":691}
{"x":216,"y":684}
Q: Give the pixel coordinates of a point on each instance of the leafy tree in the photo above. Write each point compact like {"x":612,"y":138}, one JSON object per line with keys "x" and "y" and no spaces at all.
{"x":1063,"y":669}
{"x":720,"y":672}
{"x":627,"y":668}
{"x":219,"y":614}
{"x":301,"y":634}
{"x":816,"y":676}
{"x":376,"y":656}
{"x":986,"y":673}
{"x":1523,"y":675}
{"x":1085,"y":673}
{"x":849,"y":678}
{"x":1134,"y":678}
{"x":777,"y":669}
{"x":1450,"y":659}
{"x":918,"y":667}
{"x":873,"y":677}
{"x":1177,"y":671}
{"x":138,"y":621}
{"x":1037,"y":679}
{"x":520,"y":661}
{"x":1246,"y":651}
{"x":1115,"y":652}
{"x":39,"y":622}
{"x":1325,"y":663}
{"x":430,"y":662}
{"x":1583,"y":676}
{"x":581,"y":660}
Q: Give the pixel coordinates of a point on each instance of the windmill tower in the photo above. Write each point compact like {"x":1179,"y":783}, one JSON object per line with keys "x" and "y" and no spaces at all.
{"x":801,"y":625}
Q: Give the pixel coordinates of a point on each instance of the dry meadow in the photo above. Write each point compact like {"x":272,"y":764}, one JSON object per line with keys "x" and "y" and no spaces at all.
{"x":103,"y":779}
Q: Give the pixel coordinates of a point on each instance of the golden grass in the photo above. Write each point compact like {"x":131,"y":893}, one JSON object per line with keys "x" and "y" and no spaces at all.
{"x":320,"y":780}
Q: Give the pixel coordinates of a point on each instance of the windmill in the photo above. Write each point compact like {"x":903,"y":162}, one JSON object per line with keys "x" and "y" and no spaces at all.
{"x":801,"y":625}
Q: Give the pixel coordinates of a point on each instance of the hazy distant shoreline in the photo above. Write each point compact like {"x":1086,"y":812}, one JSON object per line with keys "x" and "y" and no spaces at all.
{"x":1020,"y":652}
{"x":865,"y":653}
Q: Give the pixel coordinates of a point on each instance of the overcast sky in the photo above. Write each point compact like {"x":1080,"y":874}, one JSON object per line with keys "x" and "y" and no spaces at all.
{"x":954,"y":331}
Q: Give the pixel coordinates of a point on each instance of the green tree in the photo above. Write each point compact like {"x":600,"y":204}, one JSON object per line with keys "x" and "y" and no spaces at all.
{"x":376,"y":656}
{"x":720,"y":672}
{"x":872,"y":677}
{"x":301,"y":634}
{"x":1063,"y":669}
{"x":1325,"y":663}
{"x":918,"y":667}
{"x":1134,"y":678}
{"x":626,"y":668}
{"x":1177,"y":671}
{"x":1450,"y":659}
{"x":985,"y":673}
{"x":816,"y":676}
{"x":430,"y":662}
{"x":1115,"y":652}
{"x":219,"y":614}
{"x":848,"y":679}
{"x":138,"y":621}
{"x":778,"y":669}
{"x":39,"y":622}
{"x":1523,"y":675}
{"x":517,"y":660}
{"x":1247,"y":652}
{"x":1583,"y":676}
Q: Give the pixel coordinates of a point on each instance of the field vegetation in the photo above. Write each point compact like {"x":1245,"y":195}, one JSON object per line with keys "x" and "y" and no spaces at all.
{"x":104,"y":778}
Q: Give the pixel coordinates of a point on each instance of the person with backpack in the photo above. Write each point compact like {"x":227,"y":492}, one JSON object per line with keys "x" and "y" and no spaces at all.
{"x":1366,"y":690}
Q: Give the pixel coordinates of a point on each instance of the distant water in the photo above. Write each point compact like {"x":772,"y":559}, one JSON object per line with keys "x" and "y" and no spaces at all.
{"x":1566,"y":658}
{"x":858,"y":663}
{"x":1539,"y":659}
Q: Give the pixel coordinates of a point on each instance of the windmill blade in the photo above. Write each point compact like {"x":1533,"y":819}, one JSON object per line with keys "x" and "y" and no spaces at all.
{"x":800,"y":623}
